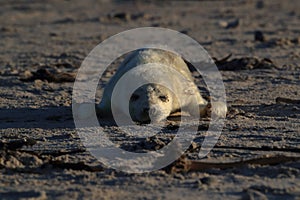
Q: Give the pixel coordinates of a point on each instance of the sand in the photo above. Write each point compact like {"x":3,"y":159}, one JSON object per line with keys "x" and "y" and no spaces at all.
{"x":42,"y":156}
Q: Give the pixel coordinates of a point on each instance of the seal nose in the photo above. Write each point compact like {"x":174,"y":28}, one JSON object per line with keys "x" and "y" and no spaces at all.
{"x":146,"y":110}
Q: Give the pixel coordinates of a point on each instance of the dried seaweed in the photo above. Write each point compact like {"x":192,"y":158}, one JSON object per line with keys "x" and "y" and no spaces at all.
{"x":16,"y":144}
{"x":73,"y":166}
{"x":50,"y":75}
{"x":244,"y":63}
{"x":287,"y":100}
{"x":186,"y":165}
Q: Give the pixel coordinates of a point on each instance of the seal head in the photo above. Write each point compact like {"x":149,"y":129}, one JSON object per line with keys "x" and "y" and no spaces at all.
{"x":151,"y":103}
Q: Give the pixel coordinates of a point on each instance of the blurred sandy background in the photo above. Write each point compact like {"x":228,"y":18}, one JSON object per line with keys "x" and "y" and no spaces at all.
{"x":41,"y":154}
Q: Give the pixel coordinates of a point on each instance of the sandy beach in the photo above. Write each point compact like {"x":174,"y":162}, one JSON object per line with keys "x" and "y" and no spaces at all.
{"x":257,"y":156}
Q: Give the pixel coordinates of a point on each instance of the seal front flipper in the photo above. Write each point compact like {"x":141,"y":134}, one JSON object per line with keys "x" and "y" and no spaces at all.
{"x":219,"y":109}
{"x":103,"y":110}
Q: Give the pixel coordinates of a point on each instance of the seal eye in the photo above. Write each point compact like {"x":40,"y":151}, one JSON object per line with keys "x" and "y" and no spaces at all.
{"x":134,"y":97}
{"x":163,"y":98}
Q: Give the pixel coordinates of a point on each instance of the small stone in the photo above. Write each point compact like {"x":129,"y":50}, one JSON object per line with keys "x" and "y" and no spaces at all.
{"x":260,"y":4}
{"x":52,"y":34}
{"x":121,"y":15}
{"x":208,"y":180}
{"x":179,"y":176}
{"x":7,"y":29}
{"x":27,"y":74}
{"x":184,"y":31}
{"x":229,"y":24}
{"x":259,"y":36}
{"x":193,"y":145}
{"x":14,"y":72}
{"x":38,"y":83}
{"x":223,"y":24}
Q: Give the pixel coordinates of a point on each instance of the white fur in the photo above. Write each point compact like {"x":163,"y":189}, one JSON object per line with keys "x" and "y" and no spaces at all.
{"x":175,"y":74}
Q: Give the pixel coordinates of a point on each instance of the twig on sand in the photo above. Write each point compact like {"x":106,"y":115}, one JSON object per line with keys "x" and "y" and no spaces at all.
{"x":187,"y":165}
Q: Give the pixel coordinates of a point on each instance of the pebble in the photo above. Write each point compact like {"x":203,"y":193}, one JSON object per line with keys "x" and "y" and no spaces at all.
{"x":208,"y":180}
{"x":121,"y":15}
{"x":229,"y":24}
{"x":260,"y":4}
{"x":259,"y":36}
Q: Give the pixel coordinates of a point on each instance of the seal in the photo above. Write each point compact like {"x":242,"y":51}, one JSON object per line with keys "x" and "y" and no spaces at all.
{"x":153,"y":102}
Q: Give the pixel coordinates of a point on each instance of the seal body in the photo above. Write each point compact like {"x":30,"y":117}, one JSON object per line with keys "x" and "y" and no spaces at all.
{"x":170,"y":87}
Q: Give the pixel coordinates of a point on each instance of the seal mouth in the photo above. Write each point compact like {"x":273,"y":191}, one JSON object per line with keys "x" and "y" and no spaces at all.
{"x":141,"y":117}
{"x":146,"y":116}
{"x":143,"y":122}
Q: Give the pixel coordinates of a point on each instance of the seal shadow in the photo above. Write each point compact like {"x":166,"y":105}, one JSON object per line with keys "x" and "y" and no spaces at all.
{"x":44,"y":117}
{"x":56,"y":117}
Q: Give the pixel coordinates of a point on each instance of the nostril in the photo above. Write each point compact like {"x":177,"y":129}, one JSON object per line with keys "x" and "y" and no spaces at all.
{"x":146,"y":110}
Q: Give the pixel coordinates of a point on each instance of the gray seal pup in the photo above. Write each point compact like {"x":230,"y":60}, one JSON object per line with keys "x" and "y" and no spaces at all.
{"x":153,"y":102}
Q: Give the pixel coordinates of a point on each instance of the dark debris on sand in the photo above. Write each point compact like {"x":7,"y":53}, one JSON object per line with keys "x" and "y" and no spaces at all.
{"x":244,"y":63}
{"x":50,"y":74}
